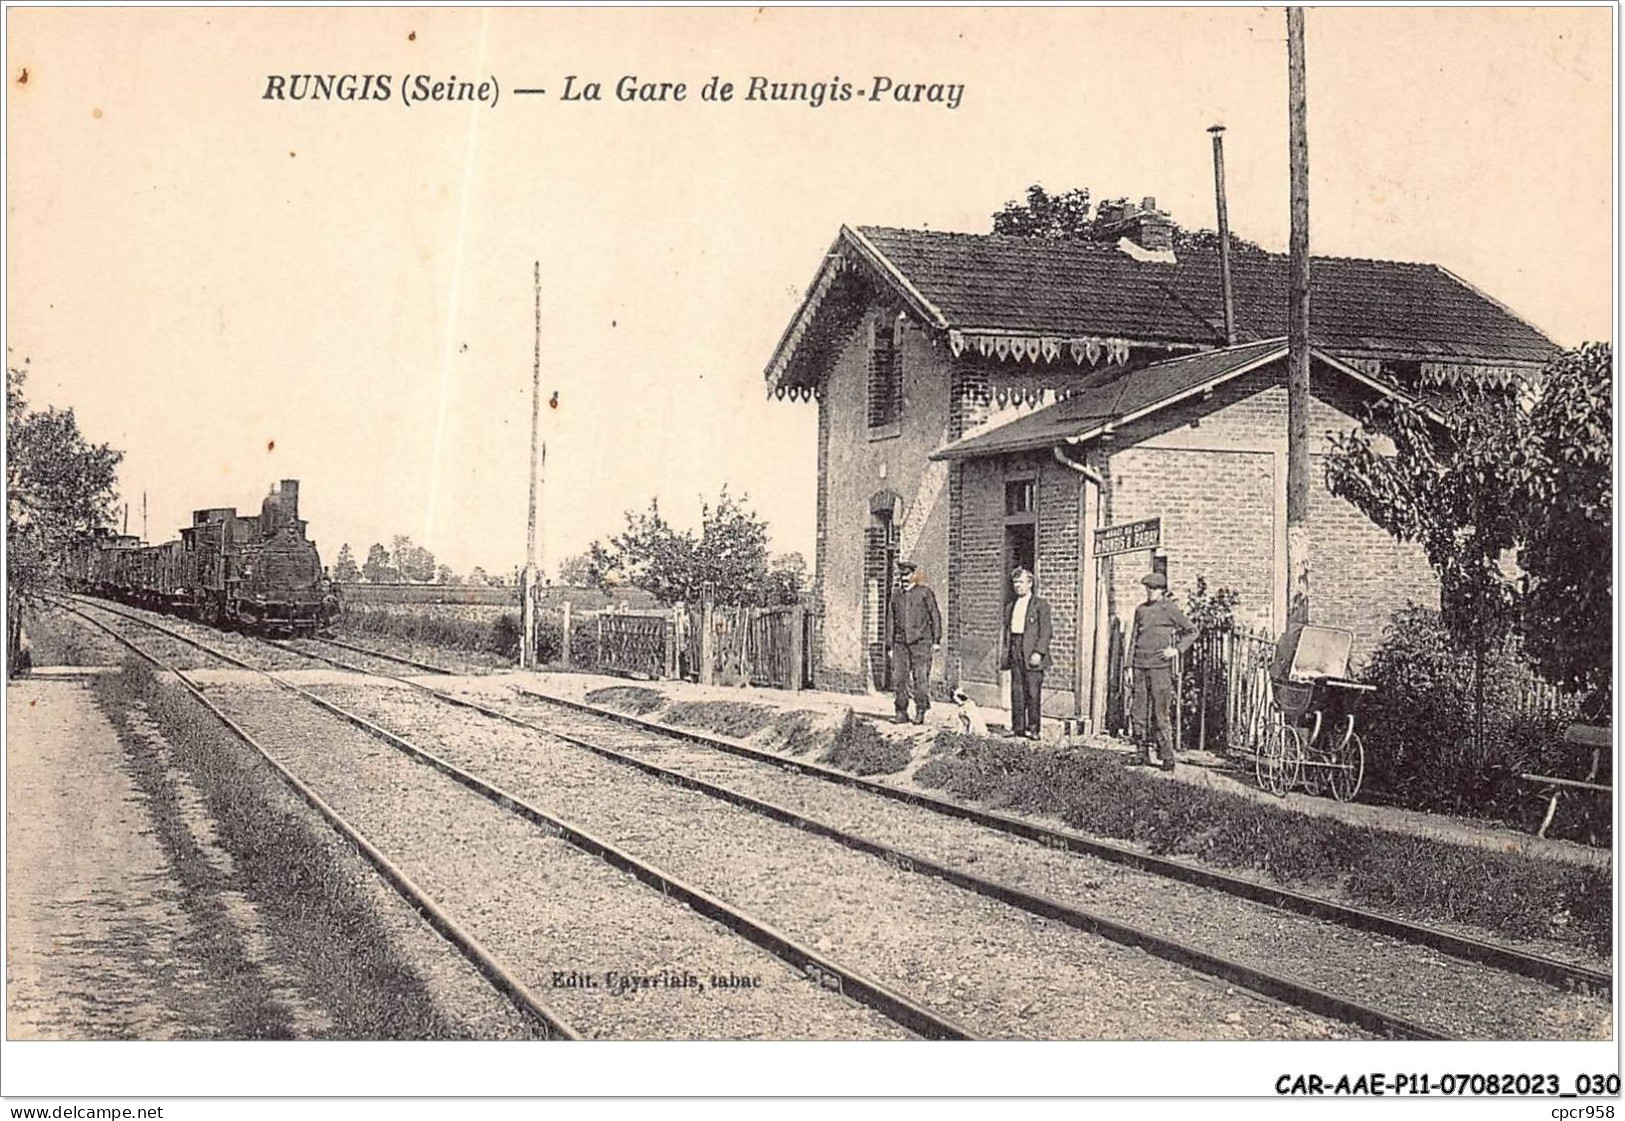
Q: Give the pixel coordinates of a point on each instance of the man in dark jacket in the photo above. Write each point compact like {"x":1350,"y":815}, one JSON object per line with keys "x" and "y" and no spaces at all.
{"x":913,"y":627}
{"x":1027,"y":633}
{"x":1161,"y":634}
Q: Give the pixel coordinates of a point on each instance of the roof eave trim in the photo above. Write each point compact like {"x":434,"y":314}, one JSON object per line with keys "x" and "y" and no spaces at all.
{"x":1379,"y":386}
{"x":801,"y":320}
{"x":1031,"y":444}
{"x":1273,"y":354}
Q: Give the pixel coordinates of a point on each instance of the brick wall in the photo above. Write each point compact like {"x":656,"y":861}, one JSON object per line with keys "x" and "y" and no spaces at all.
{"x":853,"y":467}
{"x":1215,"y":471}
{"x":1218,"y":521}
{"x":1358,"y":574}
{"x":1225,"y":519}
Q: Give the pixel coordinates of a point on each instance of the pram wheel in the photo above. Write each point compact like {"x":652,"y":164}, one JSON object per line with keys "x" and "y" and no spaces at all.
{"x":1347,"y":767}
{"x":1280,"y":760}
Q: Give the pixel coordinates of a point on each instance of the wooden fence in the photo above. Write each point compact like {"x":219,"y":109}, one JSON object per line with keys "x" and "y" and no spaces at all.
{"x":1224,"y":689}
{"x":767,"y":646}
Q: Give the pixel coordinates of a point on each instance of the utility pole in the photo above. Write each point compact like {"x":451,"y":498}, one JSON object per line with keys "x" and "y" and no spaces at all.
{"x":1217,"y":132}
{"x":143,"y":515}
{"x":1297,"y":433}
{"x":527,"y":594}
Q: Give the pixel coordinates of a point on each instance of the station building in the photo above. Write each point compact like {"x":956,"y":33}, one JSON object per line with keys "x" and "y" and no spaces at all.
{"x":986,"y":401}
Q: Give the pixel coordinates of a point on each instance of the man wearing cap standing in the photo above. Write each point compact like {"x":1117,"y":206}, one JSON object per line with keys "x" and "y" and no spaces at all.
{"x":1161,"y":634}
{"x":914,"y":629}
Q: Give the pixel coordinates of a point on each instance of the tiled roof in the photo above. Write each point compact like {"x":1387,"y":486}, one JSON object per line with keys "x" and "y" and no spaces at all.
{"x":1072,"y":288}
{"x":1090,"y":411}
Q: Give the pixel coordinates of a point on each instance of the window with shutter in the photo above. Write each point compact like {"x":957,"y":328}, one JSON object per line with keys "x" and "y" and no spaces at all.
{"x":885,"y":375}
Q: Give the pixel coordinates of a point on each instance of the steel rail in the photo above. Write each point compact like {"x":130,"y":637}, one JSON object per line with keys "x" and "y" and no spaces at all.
{"x":1550,"y":970}
{"x":466,"y":943}
{"x":1279,"y":988}
{"x":818,"y":968}
{"x":372,"y":653}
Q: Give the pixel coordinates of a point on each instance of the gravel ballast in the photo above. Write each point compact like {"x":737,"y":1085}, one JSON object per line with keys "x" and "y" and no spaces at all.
{"x":1005,"y":972}
{"x":613,"y":957}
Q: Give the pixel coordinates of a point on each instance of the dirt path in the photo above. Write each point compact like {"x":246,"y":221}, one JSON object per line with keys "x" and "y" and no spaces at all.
{"x":96,"y":923}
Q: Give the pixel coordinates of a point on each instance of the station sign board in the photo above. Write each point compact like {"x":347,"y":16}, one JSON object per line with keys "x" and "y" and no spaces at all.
{"x":1130,"y":537}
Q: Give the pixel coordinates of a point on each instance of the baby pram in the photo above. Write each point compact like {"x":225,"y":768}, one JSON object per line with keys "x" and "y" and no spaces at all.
{"x":1310,"y":740}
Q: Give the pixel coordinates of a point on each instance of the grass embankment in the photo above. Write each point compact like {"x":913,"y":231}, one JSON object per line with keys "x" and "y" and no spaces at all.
{"x":479,"y":630}
{"x":318,"y":897}
{"x":1429,"y":880}
{"x":854,"y":745}
{"x":1090,"y":790}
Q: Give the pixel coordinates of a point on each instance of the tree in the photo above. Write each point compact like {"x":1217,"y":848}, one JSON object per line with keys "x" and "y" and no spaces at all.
{"x":59,"y":487}
{"x":377,"y":569}
{"x":786,"y":578}
{"x":477,"y":578}
{"x":412,"y":561}
{"x":728,"y":557}
{"x":344,"y":568}
{"x":1483,"y":476}
{"x":446,"y":576}
{"x":650,"y":554}
{"x":1563,"y":470}
{"x":1448,"y":488}
{"x":1066,"y":215}
{"x":576,"y":571}
{"x":1046,"y":215}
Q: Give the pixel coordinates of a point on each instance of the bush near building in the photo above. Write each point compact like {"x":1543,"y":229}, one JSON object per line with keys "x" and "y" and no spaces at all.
{"x":1422,"y":750}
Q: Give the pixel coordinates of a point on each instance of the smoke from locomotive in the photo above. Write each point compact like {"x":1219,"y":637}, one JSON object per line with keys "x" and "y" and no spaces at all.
{"x":258,"y":572}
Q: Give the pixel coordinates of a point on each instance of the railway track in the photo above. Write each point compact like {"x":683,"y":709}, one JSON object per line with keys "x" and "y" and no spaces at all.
{"x":470,"y":947}
{"x":551,"y":717}
{"x":1553,"y":971}
{"x":823,"y":977}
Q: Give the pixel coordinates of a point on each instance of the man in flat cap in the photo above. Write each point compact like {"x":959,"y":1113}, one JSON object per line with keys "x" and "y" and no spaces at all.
{"x":1161,"y":634}
{"x":913,"y":627}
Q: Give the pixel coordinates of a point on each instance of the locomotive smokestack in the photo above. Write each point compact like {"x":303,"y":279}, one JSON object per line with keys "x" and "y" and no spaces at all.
{"x":1217,"y":132}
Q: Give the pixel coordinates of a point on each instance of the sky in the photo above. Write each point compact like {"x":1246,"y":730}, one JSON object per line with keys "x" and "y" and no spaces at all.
{"x":235,"y":289}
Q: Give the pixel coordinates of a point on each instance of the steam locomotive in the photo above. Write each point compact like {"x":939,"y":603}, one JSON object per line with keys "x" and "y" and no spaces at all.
{"x":256,"y":572}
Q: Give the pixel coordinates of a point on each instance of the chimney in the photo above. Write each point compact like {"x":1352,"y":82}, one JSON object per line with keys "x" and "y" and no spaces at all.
{"x":1145,"y":225}
{"x":290,"y":497}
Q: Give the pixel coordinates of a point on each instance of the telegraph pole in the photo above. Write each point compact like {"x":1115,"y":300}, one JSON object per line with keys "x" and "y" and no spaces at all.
{"x":527,"y":641}
{"x":1297,"y":433}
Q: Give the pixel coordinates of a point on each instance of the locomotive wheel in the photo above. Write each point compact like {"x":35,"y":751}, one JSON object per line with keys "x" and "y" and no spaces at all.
{"x":1348,"y":768}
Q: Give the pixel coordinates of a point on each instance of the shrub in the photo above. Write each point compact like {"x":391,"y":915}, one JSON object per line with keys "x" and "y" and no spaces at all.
{"x":738,"y":719}
{"x":549,"y":639}
{"x":1422,"y":750}
{"x":859,"y":748}
{"x":435,"y":626}
{"x":633,"y":699}
{"x":1213,"y":615}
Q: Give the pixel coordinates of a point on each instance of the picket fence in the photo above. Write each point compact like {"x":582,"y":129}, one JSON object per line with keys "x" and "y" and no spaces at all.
{"x":707,"y":643}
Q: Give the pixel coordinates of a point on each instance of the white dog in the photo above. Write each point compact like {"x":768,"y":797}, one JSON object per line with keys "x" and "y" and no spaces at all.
{"x":971,"y":721}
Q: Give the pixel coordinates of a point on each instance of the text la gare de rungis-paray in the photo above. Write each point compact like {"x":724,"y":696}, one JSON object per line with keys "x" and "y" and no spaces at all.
{"x":425,"y":89}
